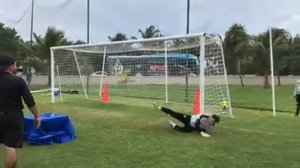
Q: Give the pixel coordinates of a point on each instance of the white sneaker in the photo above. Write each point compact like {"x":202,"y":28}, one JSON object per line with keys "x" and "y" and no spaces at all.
{"x":204,"y":134}
{"x":172,"y":123}
{"x":156,"y":106}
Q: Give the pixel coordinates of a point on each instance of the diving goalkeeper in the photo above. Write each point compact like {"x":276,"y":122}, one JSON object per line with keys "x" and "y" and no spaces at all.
{"x":203,"y":123}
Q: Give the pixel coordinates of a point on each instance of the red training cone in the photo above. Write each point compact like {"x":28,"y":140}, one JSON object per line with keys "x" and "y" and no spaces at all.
{"x":196,"y":109}
{"x":105,"y":94}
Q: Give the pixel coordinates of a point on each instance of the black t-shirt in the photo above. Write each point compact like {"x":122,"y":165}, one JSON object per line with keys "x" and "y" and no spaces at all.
{"x":12,"y":90}
{"x":298,"y":98}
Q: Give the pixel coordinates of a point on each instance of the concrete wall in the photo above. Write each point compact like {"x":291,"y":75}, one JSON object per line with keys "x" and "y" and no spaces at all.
{"x":232,"y":80}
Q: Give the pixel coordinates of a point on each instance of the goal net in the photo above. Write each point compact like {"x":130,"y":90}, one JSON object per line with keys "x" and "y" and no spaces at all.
{"x":177,"y":71}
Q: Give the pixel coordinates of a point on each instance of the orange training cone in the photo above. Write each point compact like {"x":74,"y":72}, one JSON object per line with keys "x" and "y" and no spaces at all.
{"x":196,"y":109}
{"x":105,"y":94}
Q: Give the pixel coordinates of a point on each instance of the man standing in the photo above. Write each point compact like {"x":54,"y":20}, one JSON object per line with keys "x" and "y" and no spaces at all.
{"x":12,"y":90}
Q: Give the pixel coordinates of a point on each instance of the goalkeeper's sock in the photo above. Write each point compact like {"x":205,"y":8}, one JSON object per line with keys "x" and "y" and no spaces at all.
{"x":156,"y":106}
{"x":172,"y":123}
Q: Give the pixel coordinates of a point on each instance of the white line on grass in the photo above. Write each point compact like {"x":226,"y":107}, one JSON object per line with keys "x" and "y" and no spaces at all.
{"x":248,"y":130}
{"x":290,"y":138}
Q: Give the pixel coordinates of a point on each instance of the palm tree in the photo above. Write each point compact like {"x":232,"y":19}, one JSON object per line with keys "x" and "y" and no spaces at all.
{"x":291,"y":62}
{"x":42,"y":44}
{"x":282,"y":48}
{"x":236,"y":44}
{"x":78,"y":42}
{"x":261,"y":59}
{"x":150,"y":32}
{"x":243,"y":57}
{"x":118,"y":37}
{"x":282,"y":41}
{"x":296,"y":45}
{"x":28,"y":60}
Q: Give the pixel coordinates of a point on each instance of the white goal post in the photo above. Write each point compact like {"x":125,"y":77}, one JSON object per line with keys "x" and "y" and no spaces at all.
{"x":170,"y":70}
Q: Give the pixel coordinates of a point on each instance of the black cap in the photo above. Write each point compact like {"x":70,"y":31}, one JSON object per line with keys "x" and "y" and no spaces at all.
{"x":6,"y":61}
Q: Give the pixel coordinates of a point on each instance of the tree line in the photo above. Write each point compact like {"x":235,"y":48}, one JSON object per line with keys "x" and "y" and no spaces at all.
{"x":250,"y":54}
{"x":244,"y":53}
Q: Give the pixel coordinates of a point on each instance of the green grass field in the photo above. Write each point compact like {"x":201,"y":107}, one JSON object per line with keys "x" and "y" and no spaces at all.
{"x":116,"y":135}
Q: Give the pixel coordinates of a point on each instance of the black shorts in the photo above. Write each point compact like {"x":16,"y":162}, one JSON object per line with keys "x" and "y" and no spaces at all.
{"x":11,"y":129}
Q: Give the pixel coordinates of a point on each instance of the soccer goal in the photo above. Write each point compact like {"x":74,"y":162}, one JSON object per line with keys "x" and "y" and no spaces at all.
{"x":171,"y":70}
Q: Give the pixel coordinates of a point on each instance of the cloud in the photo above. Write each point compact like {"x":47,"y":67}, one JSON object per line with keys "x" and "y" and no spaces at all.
{"x":108,"y":17}
{"x":292,"y":24}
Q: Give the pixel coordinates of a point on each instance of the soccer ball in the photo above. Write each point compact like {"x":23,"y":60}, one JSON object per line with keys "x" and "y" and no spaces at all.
{"x":224,"y":105}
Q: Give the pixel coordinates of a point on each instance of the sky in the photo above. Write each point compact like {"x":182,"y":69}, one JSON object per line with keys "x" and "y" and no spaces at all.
{"x":107,"y":17}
